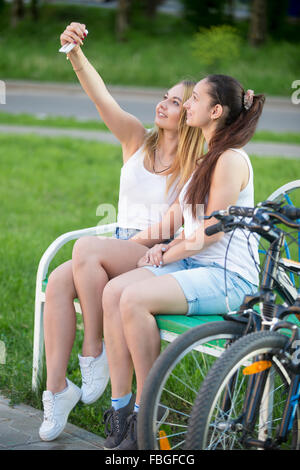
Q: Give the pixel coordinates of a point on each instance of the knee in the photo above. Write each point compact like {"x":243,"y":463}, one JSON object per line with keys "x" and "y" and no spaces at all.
{"x":130,"y":303}
{"x":110,"y":298}
{"x":60,"y":280}
{"x":83,"y":251}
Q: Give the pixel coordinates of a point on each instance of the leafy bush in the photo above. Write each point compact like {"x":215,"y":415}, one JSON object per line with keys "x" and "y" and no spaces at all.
{"x":215,"y":46}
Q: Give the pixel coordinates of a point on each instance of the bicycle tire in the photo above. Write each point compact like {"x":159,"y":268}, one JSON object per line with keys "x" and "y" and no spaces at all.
{"x":219,"y":431}
{"x":170,"y":360}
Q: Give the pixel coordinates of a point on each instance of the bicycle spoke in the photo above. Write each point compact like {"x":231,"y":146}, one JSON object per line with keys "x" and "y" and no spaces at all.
{"x":183,"y":383}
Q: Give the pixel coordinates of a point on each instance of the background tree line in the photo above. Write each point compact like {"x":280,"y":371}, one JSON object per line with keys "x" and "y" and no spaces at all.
{"x":266,"y":16}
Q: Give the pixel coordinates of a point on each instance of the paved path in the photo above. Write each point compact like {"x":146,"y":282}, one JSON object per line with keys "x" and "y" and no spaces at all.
{"x":254,"y":148}
{"x":61,"y":99}
{"x":19,"y":427}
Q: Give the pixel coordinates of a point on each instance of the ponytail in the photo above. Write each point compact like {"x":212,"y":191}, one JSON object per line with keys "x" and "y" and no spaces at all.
{"x":241,"y":111}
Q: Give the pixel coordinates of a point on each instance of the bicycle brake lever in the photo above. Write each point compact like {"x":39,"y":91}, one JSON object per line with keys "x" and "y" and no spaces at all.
{"x":217,"y":215}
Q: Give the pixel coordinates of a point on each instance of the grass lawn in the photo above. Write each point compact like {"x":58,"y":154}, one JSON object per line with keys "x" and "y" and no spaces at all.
{"x":48,"y":187}
{"x":151,"y":56}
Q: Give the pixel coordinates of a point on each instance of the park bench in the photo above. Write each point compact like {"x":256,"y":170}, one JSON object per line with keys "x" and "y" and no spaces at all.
{"x":170,"y":325}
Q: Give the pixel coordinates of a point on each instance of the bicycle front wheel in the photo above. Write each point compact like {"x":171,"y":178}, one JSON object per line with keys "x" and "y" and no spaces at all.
{"x":175,"y":379}
{"x":220,"y":419}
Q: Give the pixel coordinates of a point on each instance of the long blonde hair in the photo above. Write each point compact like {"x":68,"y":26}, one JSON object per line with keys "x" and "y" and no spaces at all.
{"x":190,"y":146}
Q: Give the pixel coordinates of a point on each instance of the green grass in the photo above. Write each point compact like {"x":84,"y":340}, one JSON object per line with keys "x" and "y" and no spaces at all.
{"x":73,"y":123}
{"x":24,"y":119}
{"x":151,"y":56}
{"x":277,"y":137}
{"x":49,"y":187}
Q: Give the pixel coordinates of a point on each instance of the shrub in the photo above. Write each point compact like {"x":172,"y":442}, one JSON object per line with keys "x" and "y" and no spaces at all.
{"x":217,"y":45}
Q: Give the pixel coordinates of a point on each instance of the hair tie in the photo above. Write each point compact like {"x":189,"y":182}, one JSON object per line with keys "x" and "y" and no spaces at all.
{"x":248,"y":99}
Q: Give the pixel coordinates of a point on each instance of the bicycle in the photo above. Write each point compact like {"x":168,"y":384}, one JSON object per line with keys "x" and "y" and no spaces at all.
{"x":249,"y":398}
{"x":177,"y":374}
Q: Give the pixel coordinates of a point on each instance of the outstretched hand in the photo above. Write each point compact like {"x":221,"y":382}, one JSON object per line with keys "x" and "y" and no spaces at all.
{"x":74,"y":33}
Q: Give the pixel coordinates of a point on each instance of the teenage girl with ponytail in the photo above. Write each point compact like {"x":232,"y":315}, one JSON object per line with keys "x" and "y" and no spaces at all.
{"x":190,"y":276}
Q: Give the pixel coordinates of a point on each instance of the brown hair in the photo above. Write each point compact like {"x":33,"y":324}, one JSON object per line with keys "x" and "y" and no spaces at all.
{"x":190,"y":146}
{"x":235,"y":128}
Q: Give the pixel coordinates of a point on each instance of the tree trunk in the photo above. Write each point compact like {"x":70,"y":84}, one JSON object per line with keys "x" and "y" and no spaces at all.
{"x":258,"y":24}
{"x":231,"y":5}
{"x":34,"y":9}
{"x":122,"y":19}
{"x":151,"y":7}
{"x":17,"y":12}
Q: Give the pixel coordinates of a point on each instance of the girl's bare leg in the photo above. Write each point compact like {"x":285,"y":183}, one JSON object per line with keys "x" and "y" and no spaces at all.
{"x":118,"y":354}
{"x":95,"y":261}
{"x":59,"y":325}
{"x":60,"y":315}
{"x":139,"y":303}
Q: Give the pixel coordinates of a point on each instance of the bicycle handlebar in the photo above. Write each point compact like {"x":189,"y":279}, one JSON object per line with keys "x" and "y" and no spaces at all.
{"x":241,"y":211}
{"x":285,"y":215}
{"x":291,"y":212}
{"x":212,"y":229}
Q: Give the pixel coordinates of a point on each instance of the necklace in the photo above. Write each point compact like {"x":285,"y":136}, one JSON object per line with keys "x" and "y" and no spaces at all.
{"x":161,"y":171}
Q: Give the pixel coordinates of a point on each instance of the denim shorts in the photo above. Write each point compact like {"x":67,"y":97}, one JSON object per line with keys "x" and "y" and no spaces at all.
{"x":125,"y":233}
{"x":203,"y":285}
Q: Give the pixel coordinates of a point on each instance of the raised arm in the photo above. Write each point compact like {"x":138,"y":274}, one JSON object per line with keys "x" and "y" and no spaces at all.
{"x":126,"y":127}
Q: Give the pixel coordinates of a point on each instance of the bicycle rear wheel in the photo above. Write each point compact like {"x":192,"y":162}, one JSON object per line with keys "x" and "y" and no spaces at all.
{"x":218,"y":419}
{"x":174,"y":381}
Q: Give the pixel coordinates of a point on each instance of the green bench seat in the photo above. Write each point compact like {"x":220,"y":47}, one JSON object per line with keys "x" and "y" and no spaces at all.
{"x":178,"y":324}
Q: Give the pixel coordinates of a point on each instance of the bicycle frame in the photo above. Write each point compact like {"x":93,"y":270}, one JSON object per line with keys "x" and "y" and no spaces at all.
{"x":273,"y":278}
{"x":290,"y":409}
{"x":256,"y":388}
{"x":294,"y":389}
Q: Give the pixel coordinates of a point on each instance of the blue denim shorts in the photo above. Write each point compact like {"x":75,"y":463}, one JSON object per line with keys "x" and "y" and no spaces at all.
{"x":203,"y":285}
{"x":126,"y":233}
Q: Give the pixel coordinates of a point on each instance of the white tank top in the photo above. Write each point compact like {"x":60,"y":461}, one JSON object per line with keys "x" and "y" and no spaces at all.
{"x":142,"y":195}
{"x":238,"y":258}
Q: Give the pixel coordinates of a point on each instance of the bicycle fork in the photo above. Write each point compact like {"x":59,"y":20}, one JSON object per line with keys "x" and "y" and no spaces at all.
{"x":259,"y":392}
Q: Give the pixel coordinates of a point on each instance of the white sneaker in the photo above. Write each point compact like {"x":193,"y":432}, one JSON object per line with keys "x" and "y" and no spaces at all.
{"x":95,"y":376}
{"x":57,"y":407}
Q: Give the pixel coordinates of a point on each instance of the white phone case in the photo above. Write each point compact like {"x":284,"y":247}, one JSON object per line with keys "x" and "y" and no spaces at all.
{"x":66,"y":48}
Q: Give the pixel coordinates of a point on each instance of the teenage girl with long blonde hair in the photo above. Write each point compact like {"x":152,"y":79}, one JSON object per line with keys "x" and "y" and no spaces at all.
{"x":156,"y":165}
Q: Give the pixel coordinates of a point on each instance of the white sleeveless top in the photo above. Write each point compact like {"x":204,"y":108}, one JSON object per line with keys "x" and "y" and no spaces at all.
{"x":142,"y":195}
{"x":238,"y":258}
